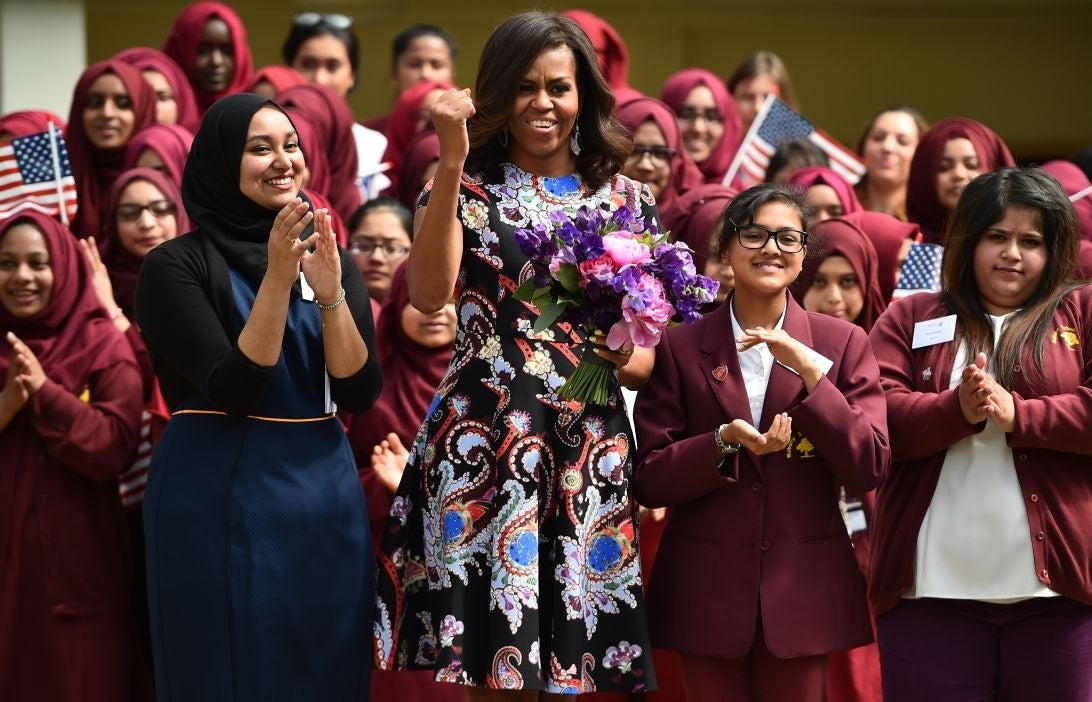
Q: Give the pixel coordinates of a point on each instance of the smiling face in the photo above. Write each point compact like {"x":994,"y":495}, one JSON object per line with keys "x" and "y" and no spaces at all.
{"x":214,"y":66}
{"x":767,"y":271}
{"x":959,"y":165}
{"x":426,"y":58}
{"x":700,"y":123}
{"x":433,"y":331}
{"x":324,"y":60}
{"x":145,"y":218}
{"x":835,"y":291}
{"x":650,"y":162}
{"x":108,"y":117}
{"x":26,"y":278}
{"x":271,"y":172}
{"x":1009,"y":260}
{"x":544,"y":113}
{"x":889,"y":147}
{"x":166,"y":109}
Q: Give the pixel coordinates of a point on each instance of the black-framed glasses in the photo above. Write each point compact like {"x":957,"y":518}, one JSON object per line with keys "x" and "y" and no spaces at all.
{"x":131,"y":211}
{"x":755,"y":236}
{"x":689,"y":114}
{"x":314,"y":19}
{"x":659,"y":154}
{"x":389,"y":248}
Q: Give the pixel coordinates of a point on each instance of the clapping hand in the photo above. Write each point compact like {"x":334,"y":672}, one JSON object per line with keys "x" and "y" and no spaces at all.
{"x":981,"y":397}
{"x":285,"y":247}
{"x":389,"y":461}
{"x":322,"y":267}
{"x":25,"y":374}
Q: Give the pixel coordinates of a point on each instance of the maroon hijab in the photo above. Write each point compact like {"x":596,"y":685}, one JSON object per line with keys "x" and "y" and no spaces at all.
{"x":694,"y":217}
{"x":185,"y":38}
{"x":145,"y":59}
{"x":171,"y":142}
{"x":402,"y":125}
{"x":423,"y":150}
{"x":333,"y":126}
{"x":1073,"y":180}
{"x":411,"y":374}
{"x":318,"y":165}
{"x":72,"y":336}
{"x":610,"y":50}
{"x":95,"y":169}
{"x":685,"y":174}
{"x":677,"y":88}
{"x":821,"y":175}
{"x":887,"y":234}
{"x":124,"y":267}
{"x":26,"y":122}
{"x":837,"y":237}
{"x":280,"y":77}
{"x":922,"y":204}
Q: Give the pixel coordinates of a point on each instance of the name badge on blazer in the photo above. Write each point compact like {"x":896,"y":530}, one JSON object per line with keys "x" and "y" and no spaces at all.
{"x":933,"y":331}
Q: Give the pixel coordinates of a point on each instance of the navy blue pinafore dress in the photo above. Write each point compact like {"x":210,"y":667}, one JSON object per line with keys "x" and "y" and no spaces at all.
{"x":260,"y":568}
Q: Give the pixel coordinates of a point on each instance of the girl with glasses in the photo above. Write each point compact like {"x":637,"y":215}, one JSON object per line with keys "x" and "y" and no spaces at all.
{"x":707,"y":120}
{"x":781,"y":406}
{"x":658,"y":158}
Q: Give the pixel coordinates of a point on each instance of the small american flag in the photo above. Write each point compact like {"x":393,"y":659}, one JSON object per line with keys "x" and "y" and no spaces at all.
{"x":775,"y":123}
{"x":35,"y":174}
{"x":921,"y":270}
{"x":132,"y":482}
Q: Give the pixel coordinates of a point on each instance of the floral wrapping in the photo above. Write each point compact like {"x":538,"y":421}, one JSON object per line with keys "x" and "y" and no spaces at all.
{"x":510,"y":556}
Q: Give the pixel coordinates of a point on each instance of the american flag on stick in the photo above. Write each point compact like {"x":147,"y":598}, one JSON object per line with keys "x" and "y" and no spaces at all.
{"x":35,"y":174}
{"x":920,"y":271}
{"x":775,"y":123}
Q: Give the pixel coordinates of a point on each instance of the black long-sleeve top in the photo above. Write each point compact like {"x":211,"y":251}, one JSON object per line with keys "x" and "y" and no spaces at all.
{"x":184,"y":310}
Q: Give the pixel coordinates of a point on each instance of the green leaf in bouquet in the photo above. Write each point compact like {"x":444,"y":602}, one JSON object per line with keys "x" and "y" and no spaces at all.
{"x":549,"y":315}
{"x":526,"y":291}
{"x":569,"y":277}
{"x":542,"y":298}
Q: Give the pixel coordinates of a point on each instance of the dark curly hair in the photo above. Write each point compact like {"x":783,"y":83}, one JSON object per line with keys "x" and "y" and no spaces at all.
{"x":506,"y":58}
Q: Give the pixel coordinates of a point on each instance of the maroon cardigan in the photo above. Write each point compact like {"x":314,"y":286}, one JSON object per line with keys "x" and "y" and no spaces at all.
{"x":758,"y":529}
{"x":1050,"y":446}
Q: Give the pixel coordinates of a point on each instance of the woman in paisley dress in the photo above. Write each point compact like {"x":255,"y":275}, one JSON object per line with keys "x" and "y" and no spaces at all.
{"x":510,"y":561}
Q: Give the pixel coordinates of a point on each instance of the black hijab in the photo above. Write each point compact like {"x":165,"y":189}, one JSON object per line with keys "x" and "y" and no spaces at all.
{"x":236,"y":226}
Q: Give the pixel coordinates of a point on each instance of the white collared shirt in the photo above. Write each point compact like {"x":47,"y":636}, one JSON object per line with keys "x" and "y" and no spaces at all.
{"x":755,"y":364}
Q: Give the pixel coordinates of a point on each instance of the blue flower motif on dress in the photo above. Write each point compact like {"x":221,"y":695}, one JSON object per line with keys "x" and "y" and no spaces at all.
{"x":514,"y":583}
{"x":599,"y":565}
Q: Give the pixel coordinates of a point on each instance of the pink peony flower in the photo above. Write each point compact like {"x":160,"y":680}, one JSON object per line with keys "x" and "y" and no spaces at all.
{"x":646,"y":312}
{"x":623,"y":249}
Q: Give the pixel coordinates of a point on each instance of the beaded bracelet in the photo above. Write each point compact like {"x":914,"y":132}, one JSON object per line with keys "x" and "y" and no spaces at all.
{"x":116,"y":313}
{"x":333,"y":305}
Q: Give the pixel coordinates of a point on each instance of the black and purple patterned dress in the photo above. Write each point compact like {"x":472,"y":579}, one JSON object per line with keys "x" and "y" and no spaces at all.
{"x":510,"y":556}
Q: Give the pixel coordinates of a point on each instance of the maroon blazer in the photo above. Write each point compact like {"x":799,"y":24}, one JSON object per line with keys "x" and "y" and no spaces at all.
{"x":1050,"y":446}
{"x":751,"y":531}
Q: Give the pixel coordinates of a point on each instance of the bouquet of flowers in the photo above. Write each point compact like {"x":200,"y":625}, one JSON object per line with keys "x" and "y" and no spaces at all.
{"x":611,"y":273}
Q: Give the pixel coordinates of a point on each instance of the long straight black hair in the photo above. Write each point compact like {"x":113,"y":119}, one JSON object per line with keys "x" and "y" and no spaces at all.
{"x":983,"y":204}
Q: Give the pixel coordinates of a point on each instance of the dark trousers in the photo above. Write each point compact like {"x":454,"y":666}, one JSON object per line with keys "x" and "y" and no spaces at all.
{"x":968,"y":651}
{"x":757,"y":677}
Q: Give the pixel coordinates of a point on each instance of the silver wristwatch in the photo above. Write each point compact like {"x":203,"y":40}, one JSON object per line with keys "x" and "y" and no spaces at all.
{"x":725,"y":449}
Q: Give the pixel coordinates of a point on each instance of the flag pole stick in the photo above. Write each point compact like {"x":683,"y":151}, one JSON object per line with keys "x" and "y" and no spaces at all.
{"x":1081,"y":194}
{"x":737,"y":161}
{"x":57,"y":177}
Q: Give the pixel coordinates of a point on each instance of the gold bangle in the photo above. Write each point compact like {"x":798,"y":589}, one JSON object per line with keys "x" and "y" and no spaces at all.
{"x":333,"y":305}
